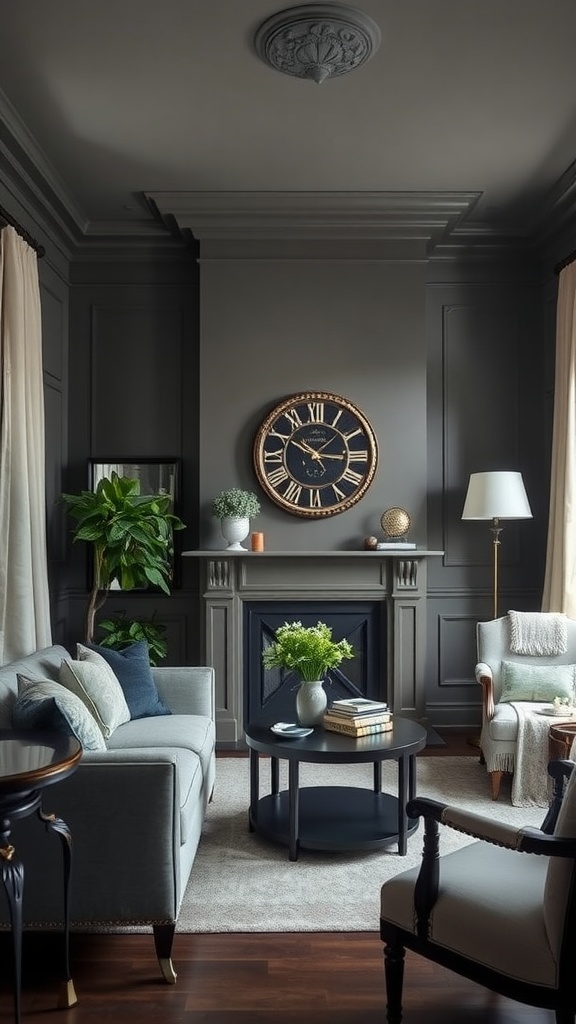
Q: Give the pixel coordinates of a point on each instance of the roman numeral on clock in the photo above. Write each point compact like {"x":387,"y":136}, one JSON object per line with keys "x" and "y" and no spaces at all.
{"x":351,"y":476}
{"x":293,"y":492}
{"x":277,"y":476}
{"x":293,"y":418}
{"x":276,"y":456}
{"x":316,"y":411}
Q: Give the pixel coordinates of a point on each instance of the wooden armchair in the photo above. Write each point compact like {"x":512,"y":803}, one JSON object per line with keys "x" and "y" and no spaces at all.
{"x":500,"y":911}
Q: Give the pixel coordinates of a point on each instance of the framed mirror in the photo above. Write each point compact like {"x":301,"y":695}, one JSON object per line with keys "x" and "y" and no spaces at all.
{"x":156,"y":476}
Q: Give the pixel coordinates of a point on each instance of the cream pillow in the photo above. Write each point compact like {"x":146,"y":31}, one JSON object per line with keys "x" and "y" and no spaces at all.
{"x":97,"y":686}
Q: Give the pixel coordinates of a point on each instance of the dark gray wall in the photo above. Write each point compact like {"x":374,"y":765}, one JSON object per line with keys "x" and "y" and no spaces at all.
{"x":453,"y":364}
{"x":447,"y":361}
{"x":134,"y":389}
{"x":487,"y":410}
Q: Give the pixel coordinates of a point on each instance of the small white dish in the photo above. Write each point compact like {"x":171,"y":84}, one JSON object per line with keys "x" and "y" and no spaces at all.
{"x":290,"y":731}
{"x":554,"y":712}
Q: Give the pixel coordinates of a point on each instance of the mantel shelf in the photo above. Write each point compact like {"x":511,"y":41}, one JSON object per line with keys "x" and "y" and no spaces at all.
{"x":387,"y":553}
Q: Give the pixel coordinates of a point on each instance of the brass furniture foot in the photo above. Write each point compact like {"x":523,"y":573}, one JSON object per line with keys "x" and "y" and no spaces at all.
{"x":67,"y":996}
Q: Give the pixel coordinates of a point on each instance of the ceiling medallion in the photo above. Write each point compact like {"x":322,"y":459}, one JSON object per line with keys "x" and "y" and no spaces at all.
{"x":317,"y":41}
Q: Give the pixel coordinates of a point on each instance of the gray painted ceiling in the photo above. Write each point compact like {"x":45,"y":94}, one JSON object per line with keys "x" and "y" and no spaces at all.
{"x":129,"y":97}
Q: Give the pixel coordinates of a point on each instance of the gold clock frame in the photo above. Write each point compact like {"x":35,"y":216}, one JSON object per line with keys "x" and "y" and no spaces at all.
{"x":315,"y":401}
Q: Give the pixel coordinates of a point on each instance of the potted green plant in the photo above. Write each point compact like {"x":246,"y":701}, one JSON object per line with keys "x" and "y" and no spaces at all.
{"x":310,"y":651}
{"x":235,"y":508}
{"x":121,"y":631}
{"x":131,"y":535}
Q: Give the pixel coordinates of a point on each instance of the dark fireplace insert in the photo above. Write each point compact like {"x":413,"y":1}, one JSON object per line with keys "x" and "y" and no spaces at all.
{"x":269,"y":694}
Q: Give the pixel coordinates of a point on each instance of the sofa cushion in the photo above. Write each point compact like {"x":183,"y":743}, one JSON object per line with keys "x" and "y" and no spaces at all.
{"x":97,"y":686}
{"x":132,"y":668}
{"x":44,"y":704}
{"x":189,"y":732}
{"x":521,"y":681}
{"x":43,"y":664}
{"x":185,"y":739}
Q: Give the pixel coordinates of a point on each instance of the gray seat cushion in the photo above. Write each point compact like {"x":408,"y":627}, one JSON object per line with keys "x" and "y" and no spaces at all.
{"x":490,"y":909}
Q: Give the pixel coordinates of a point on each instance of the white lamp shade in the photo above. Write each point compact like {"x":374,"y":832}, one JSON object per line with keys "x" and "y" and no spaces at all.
{"x":499,"y":495}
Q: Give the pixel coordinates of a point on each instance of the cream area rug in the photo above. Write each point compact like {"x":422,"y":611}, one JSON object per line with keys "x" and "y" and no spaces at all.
{"x":243,"y":883}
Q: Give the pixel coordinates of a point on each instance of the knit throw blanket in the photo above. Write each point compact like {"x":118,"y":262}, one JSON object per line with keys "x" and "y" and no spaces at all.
{"x":538,"y":633}
{"x":531,"y":784}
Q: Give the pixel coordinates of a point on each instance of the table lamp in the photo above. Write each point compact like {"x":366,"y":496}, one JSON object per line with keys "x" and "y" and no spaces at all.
{"x":496,"y":496}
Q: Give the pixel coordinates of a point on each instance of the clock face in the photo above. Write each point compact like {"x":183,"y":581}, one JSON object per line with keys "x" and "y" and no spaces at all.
{"x":315,"y":454}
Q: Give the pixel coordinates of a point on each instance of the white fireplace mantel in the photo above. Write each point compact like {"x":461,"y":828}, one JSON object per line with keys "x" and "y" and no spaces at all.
{"x":394,"y":577}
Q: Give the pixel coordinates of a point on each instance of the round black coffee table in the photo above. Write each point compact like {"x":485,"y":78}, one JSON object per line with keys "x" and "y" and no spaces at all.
{"x":335,"y":817}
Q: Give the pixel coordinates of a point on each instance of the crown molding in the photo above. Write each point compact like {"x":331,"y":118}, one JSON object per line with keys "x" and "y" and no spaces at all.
{"x":389,"y":216}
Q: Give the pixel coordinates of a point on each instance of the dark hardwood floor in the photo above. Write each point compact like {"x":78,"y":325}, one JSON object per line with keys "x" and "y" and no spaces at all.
{"x":333,"y":978}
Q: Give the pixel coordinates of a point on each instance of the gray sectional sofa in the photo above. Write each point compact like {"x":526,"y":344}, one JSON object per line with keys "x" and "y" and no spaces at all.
{"x":135,"y":811}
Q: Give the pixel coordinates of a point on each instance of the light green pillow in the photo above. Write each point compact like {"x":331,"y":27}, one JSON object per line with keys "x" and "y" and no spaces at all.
{"x":98,"y":688}
{"x":44,"y":704}
{"x":521,"y":681}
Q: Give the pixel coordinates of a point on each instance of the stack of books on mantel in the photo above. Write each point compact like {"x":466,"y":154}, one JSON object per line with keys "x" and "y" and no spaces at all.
{"x":358,"y":716}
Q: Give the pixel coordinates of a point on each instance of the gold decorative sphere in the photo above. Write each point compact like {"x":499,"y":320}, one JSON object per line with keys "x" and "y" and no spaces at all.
{"x":395,"y":522}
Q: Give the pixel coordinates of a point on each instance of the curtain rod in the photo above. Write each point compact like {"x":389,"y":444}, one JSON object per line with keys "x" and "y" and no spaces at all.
{"x":7,"y":219}
{"x":565,"y":262}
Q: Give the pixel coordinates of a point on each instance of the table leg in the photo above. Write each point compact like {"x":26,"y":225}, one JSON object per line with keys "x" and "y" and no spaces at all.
{"x":274,"y":776}
{"x":254,"y":787}
{"x":58,"y":827}
{"x":377,"y":776}
{"x":293,"y":800}
{"x":12,"y":880}
{"x":411,"y":777}
{"x":402,"y":800}
{"x":12,"y":871}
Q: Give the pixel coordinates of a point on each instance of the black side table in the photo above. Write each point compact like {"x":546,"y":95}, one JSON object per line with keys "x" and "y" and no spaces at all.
{"x":335,"y":817}
{"x":30,"y":761}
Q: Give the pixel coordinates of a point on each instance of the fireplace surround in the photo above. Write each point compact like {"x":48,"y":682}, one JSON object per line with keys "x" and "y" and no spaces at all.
{"x":383,"y":593}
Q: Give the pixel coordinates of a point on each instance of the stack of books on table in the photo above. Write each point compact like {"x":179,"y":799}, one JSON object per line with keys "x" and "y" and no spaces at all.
{"x":358,"y":716}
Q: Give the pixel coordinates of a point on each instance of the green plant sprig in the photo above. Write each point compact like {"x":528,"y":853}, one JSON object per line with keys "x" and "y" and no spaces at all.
{"x":121,"y":631}
{"x":308,"y":650}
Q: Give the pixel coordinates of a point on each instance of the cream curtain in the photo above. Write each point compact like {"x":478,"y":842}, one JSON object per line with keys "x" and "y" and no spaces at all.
{"x":560,"y":578}
{"x":24,"y":596}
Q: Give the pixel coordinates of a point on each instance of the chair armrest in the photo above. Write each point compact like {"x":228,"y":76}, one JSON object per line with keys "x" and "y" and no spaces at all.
{"x":484,"y":677}
{"x":186,"y":690}
{"x":479,"y":826}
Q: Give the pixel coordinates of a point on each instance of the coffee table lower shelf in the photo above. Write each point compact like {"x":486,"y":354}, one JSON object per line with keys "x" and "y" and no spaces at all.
{"x":331,"y":818}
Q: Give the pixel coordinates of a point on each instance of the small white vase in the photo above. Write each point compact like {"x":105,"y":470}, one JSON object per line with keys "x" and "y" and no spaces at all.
{"x":235,"y":529}
{"x":311,"y":702}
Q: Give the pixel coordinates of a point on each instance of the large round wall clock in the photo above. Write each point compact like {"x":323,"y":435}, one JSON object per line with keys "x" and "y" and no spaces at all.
{"x":315,"y":454}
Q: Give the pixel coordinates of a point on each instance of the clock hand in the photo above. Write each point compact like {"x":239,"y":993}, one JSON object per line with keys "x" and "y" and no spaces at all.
{"x":327,"y":456}
{"x":304,"y":447}
{"x":325,"y":445}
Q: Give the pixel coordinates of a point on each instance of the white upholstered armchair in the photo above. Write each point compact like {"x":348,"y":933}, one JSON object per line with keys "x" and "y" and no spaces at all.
{"x":524,"y":661}
{"x":500,"y":911}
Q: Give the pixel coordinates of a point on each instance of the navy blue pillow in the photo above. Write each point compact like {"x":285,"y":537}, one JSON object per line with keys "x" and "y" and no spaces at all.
{"x":132,"y":668}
